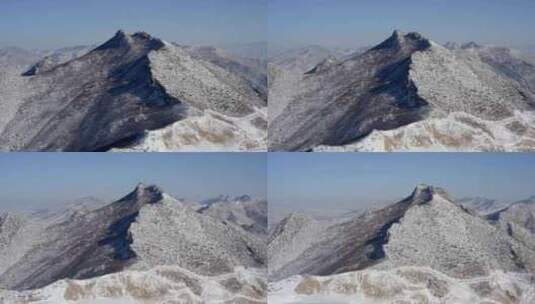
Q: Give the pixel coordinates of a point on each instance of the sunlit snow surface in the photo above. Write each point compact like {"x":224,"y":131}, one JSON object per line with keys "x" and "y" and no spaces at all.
{"x":456,"y":132}
{"x":403,"y":285}
{"x":163,"y":284}
{"x":209,"y":131}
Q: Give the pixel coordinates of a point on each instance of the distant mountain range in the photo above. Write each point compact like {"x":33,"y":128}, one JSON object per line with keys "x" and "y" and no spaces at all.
{"x":407,"y":93}
{"x":147,"y":235}
{"x":427,"y":246}
{"x":134,"y":92}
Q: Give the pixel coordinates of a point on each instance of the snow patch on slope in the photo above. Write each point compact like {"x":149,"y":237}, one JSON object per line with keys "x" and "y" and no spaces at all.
{"x":404,"y":285}
{"x":163,"y":284}
{"x":457,"y":131}
{"x":209,"y":131}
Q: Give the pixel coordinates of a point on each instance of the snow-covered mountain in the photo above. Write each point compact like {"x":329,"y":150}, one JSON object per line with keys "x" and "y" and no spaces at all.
{"x":134,"y":92}
{"x":408,"y":93}
{"x":518,"y":220}
{"x":146,"y":235}
{"x":251,"y":69}
{"x":244,"y":211}
{"x":427,"y":230}
{"x":481,"y":205}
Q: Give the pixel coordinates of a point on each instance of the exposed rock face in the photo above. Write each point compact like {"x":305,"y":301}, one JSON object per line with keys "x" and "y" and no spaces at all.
{"x":409,"y":93}
{"x":427,"y":229}
{"x":145,"y":229}
{"x":116,"y":92}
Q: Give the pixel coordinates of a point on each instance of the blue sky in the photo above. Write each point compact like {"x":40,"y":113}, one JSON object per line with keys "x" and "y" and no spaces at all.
{"x":366,"y":22}
{"x":352,"y":180}
{"x":286,"y":23}
{"x":30,"y":180}
{"x":59,"y":23}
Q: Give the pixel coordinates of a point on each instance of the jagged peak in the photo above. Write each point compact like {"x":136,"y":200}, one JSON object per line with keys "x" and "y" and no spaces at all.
{"x":141,"y":188}
{"x":398,"y":40}
{"x":121,"y":39}
{"x":424,"y":193}
{"x":144,"y":194}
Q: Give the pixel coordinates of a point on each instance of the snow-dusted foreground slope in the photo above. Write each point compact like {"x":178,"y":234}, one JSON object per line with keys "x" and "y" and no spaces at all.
{"x":162,"y":284}
{"x":134,"y":92}
{"x":406,"y":94}
{"x":404,"y":285}
{"x":147,"y":247}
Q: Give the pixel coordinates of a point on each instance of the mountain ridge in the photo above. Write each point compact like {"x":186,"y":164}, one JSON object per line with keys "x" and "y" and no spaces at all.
{"x":428,"y":228}
{"x":121,"y":236}
{"x":130,"y":85}
{"x":366,"y":101}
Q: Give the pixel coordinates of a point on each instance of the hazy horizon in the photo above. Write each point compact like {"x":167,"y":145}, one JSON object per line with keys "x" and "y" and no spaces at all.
{"x":55,"y":24}
{"x":345,"y":23}
{"x":39,"y":180}
{"x":339,"y":182}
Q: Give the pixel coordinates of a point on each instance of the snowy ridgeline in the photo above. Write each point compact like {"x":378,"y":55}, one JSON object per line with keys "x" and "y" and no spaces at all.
{"x":404,"y":285}
{"x":407,"y":250}
{"x":132,"y":93}
{"x":147,"y":247}
{"x":162,"y":284}
{"x":406,"y":94}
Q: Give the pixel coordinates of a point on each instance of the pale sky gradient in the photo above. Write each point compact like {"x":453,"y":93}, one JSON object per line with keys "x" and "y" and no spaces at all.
{"x":48,"y":24}
{"x":345,"y":181}
{"x":37,"y":180}
{"x":368,"y":22}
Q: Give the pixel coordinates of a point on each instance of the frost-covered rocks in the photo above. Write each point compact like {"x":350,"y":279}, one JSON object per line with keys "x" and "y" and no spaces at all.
{"x":129,"y":239}
{"x":192,"y":241}
{"x":252,"y":69}
{"x":132,"y":84}
{"x":442,"y":236}
{"x":409,"y":93}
